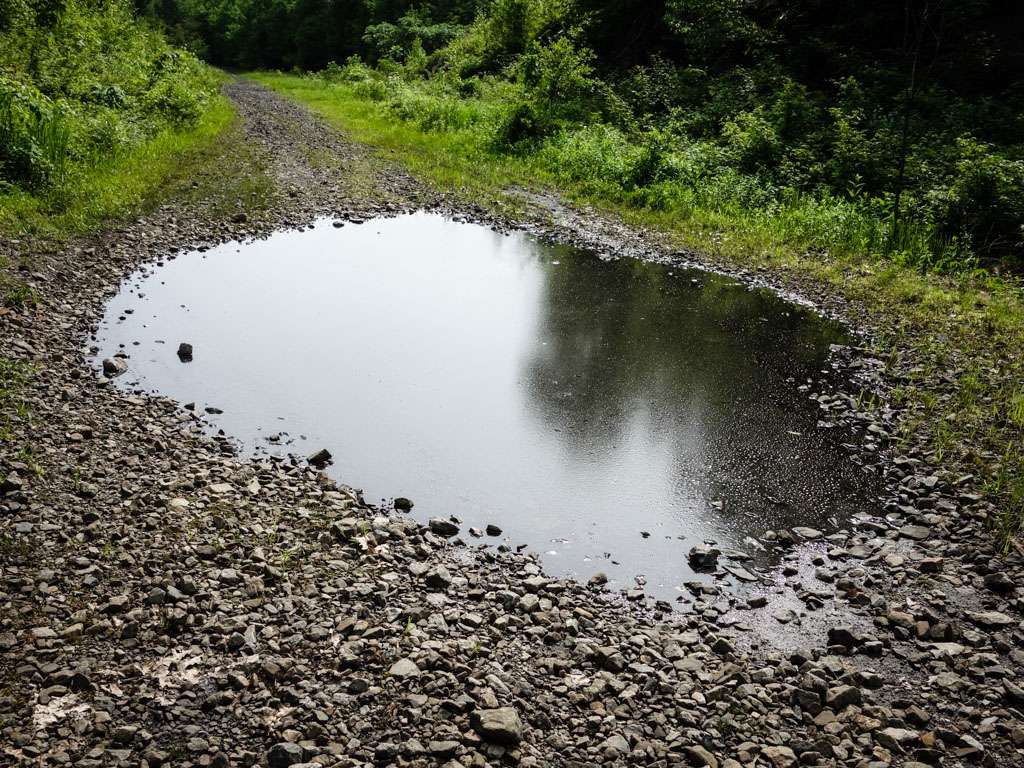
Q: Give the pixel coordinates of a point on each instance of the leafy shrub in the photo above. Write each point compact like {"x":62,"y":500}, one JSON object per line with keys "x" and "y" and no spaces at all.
{"x":508,"y":29}
{"x":109,"y":95}
{"x":712,"y":29}
{"x":558,"y":89}
{"x":364,"y":81}
{"x":101,"y":132}
{"x":353,"y":71}
{"x":660,"y":86}
{"x":794,"y":112}
{"x":518,"y":125}
{"x":984,"y":200}
{"x":599,"y":155}
{"x":559,"y":78}
{"x":415,"y":60}
{"x":432,"y":112}
{"x":333,"y":73}
{"x":85,"y":80}
{"x":175,"y":102}
{"x":511,"y":26}
{"x":653,"y":162}
{"x":752,"y":142}
{"x":34,"y":137}
{"x":397,"y":40}
{"x":373,"y":90}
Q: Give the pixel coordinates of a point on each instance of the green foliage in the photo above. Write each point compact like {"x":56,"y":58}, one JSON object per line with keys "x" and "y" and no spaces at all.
{"x":95,"y":108}
{"x":558,"y":90}
{"x":34,"y":137}
{"x":712,"y":30}
{"x":433,"y":112}
{"x":308,"y":33}
{"x":410,"y":32}
{"x":510,"y":26}
{"x":752,"y":142}
{"x":598,"y":156}
{"x":83,"y":81}
{"x":912,"y":136}
{"x":984,"y":199}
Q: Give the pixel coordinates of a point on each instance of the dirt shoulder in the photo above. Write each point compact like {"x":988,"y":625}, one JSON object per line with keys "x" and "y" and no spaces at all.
{"x":167,"y":601}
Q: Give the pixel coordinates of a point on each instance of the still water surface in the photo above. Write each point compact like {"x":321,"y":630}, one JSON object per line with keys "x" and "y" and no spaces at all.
{"x":577,"y":403}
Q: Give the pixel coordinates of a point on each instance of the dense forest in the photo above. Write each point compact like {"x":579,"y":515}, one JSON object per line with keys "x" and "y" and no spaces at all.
{"x":912,"y":112}
{"x":891,"y":128}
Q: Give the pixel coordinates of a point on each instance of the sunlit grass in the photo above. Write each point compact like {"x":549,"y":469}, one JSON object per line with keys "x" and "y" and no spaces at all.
{"x":114,"y":188}
{"x":450,"y":160}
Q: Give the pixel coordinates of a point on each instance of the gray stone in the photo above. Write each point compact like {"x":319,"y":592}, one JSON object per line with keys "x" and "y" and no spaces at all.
{"x":897,"y":739}
{"x":842,"y":696}
{"x":443,"y":527}
{"x":115,"y":366}
{"x":1000,"y":583}
{"x":992,"y":619}
{"x":284,"y":755}
{"x":404,"y":668}
{"x":499,"y":726}
{"x":915,"y":532}
{"x":698,"y":756}
{"x":807,"y":533}
{"x":1014,"y":693}
{"x":785,"y":615}
{"x":438,"y":578}
{"x":778,"y":756}
{"x":320,"y":459}
{"x":703,"y":557}
{"x":615,"y":742}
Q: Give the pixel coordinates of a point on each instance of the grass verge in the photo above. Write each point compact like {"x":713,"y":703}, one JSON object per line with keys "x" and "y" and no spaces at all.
{"x":451,"y":160}
{"x":952,"y":342}
{"x":116,"y":187}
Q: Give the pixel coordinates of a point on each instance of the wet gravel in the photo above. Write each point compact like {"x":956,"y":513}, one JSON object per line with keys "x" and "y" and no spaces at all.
{"x":168,"y":602}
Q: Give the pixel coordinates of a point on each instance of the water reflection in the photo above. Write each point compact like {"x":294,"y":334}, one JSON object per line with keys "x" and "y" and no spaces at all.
{"x":609,"y":414}
{"x":706,"y":374}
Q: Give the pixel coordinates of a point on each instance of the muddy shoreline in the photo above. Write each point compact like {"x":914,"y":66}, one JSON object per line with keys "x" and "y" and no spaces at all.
{"x":168,"y":602}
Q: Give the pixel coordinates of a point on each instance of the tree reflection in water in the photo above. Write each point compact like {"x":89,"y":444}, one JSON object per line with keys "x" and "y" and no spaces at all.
{"x":705,"y":368}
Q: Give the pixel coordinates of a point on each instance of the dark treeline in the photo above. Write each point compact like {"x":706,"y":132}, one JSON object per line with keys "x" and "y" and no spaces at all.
{"x":308,"y":34}
{"x":911,"y":109}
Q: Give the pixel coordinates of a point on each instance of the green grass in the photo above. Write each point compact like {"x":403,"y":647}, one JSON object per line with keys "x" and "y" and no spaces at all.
{"x":115,"y":188}
{"x":15,"y":293}
{"x":968,"y":326}
{"x":14,"y":374}
{"x":451,"y":160}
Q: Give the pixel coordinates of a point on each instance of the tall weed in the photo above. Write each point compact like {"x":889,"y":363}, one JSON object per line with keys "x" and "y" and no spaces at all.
{"x":84,"y":82}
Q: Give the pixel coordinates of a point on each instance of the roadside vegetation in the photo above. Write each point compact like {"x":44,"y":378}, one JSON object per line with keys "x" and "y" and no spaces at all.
{"x":95,"y":111}
{"x":99,"y":118}
{"x":892,"y":129}
{"x":13,"y":376}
